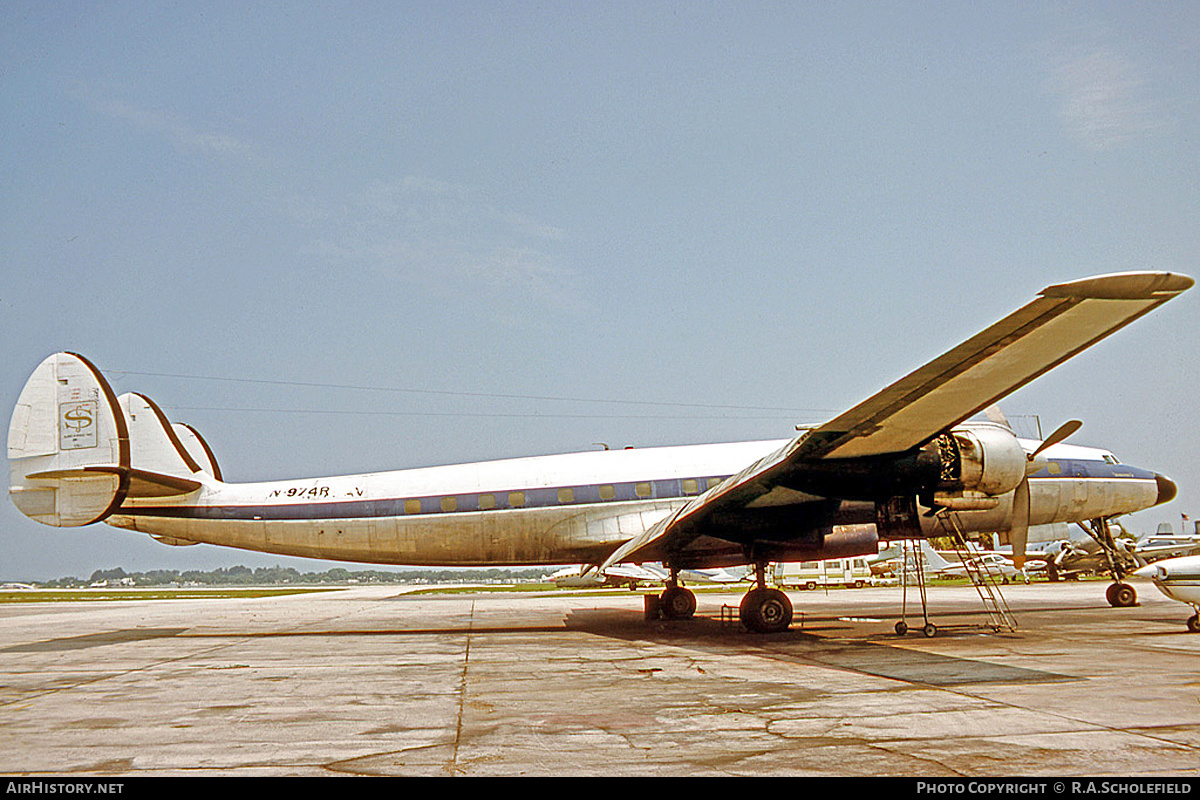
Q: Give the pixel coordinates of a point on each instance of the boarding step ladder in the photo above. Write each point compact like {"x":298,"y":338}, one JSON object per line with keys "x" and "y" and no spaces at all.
{"x":984,"y":580}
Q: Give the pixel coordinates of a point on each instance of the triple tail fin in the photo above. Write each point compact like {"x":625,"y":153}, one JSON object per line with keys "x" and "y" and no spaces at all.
{"x":76,"y":451}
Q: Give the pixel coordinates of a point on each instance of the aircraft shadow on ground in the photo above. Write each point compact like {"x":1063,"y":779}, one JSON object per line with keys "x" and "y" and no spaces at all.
{"x":822,"y":641}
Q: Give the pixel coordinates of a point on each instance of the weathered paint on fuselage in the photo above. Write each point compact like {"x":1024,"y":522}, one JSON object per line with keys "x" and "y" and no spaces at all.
{"x":542,"y":510}
{"x":569,"y":508}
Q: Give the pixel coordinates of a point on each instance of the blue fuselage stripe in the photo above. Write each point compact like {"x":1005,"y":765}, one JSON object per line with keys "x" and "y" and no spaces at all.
{"x":549,"y":497}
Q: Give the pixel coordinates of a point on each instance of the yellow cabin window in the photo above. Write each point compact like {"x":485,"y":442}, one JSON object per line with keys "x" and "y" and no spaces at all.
{"x":643,"y":490}
{"x":607,"y":492}
{"x":516,"y":499}
{"x":487,"y":501}
{"x":449,"y":504}
{"x":713,"y":482}
{"x":566,"y":495}
{"x":691,"y":486}
{"x":412,"y":506}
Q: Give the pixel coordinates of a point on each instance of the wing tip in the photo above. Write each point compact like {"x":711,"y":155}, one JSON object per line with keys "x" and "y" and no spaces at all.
{"x":1123,"y":286}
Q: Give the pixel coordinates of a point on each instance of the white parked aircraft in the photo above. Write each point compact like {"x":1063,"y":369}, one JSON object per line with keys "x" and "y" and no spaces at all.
{"x":923,"y":560}
{"x":1178,"y":579}
{"x":588,"y":576}
{"x":993,"y":564}
{"x":901,"y":464}
{"x":910,"y":561}
{"x":1157,"y":546}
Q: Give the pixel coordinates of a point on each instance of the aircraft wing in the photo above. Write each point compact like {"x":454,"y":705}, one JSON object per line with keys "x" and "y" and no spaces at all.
{"x":1062,"y":321}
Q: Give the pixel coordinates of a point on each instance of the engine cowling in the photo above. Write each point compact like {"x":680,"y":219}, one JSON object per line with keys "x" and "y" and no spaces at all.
{"x":989,"y":460}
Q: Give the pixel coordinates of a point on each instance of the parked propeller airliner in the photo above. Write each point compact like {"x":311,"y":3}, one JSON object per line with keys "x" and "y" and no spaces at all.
{"x":902,"y":464}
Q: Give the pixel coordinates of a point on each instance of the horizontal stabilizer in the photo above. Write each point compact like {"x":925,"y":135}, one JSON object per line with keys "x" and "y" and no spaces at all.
{"x":141,"y":482}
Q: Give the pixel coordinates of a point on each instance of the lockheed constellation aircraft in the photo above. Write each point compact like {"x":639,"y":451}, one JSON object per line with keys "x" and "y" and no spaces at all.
{"x":904,"y":463}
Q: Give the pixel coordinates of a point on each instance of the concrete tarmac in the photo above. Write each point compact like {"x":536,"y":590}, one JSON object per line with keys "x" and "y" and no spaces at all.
{"x":373,"y":681}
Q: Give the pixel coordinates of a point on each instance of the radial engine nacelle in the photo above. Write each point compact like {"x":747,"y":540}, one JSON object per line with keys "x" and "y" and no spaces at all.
{"x":987,"y":459}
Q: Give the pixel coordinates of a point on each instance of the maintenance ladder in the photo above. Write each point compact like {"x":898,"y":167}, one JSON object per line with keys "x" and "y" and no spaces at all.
{"x":984,"y":580}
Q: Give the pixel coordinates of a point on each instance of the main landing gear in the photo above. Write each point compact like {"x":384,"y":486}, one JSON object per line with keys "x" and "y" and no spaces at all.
{"x":675,"y":602}
{"x":763,"y":609}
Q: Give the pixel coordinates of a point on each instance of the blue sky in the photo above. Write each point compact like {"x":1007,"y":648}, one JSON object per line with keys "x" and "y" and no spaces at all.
{"x":694,"y":221}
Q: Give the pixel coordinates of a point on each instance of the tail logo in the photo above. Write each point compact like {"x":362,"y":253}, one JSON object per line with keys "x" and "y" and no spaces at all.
{"x":77,"y":425}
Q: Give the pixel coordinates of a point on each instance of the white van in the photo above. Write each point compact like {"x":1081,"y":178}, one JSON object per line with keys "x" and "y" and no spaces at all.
{"x":812,"y":574}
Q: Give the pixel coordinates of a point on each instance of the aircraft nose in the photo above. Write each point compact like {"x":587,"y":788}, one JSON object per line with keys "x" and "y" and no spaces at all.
{"x":1166,"y":489}
{"x":1149,"y":572}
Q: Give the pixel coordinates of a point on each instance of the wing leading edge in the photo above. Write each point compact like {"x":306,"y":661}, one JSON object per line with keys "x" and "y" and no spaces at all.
{"x":1062,"y":321}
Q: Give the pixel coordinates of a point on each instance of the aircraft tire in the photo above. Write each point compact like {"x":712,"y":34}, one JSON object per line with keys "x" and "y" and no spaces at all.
{"x":930,"y":630}
{"x":1193,"y":623}
{"x":677,"y":603}
{"x":901,"y":628}
{"x":1122,"y":595}
{"x":766,"y":611}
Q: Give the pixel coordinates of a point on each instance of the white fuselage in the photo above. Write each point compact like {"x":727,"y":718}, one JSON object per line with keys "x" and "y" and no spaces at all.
{"x":1177,"y":578}
{"x":571,"y":508}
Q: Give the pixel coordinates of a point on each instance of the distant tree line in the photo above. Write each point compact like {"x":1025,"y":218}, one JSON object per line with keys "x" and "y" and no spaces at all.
{"x":277,"y":575}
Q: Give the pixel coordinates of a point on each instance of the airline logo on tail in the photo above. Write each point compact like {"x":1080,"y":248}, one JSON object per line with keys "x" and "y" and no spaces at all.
{"x":77,"y":428}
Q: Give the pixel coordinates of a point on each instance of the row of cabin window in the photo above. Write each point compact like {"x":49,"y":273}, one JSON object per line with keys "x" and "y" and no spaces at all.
{"x":645,"y":490}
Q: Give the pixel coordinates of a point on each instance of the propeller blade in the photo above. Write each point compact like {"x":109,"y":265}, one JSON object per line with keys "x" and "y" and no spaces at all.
{"x":997,"y":416}
{"x":1018,"y":536}
{"x":1062,"y":432}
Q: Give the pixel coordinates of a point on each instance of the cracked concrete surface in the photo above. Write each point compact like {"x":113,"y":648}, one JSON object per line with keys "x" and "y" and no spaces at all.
{"x":370,"y":681}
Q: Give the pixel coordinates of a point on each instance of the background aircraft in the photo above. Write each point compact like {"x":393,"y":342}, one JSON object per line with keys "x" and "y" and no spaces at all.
{"x":589,"y":576}
{"x":1178,"y":579}
{"x":1165,"y":544}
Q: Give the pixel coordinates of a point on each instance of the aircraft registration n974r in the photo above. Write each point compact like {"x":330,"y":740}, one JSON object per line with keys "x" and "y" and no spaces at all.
{"x":903,"y":463}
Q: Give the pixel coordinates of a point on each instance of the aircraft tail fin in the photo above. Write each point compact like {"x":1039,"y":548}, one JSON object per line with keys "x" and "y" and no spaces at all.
{"x":933,"y":559}
{"x":76,"y":451}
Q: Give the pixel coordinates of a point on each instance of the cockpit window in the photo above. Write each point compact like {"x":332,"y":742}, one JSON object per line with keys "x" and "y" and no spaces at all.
{"x":1109,"y":458}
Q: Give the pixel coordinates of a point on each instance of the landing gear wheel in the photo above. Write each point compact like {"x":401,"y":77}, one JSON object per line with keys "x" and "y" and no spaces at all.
{"x":1121,"y":595}
{"x":677,"y":603}
{"x":930,"y":630}
{"x":766,"y":611}
{"x":1193,"y":623}
{"x":901,"y":628}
